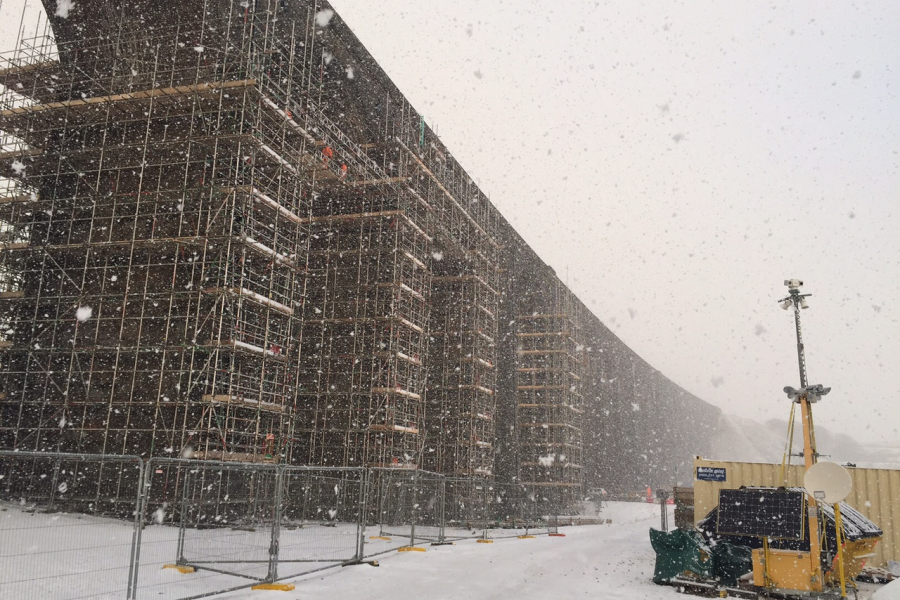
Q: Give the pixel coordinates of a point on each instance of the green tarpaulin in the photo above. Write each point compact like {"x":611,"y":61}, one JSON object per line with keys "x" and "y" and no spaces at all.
{"x":687,"y":554}
{"x":730,"y":562}
{"x":679,"y":552}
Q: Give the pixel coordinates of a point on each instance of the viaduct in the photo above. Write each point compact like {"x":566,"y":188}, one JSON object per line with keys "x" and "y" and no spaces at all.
{"x":223,"y":229}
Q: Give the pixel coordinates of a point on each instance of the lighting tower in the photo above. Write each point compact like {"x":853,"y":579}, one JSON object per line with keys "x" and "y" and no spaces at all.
{"x":806,"y":396}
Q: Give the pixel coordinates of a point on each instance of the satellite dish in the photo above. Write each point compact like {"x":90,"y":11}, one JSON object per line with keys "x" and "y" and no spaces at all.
{"x":828,"y":481}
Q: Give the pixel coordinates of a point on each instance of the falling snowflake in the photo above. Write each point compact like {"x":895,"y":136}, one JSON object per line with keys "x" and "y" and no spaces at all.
{"x":83,"y":313}
{"x":18,"y":166}
{"x":63,"y":7}
{"x":323,"y":17}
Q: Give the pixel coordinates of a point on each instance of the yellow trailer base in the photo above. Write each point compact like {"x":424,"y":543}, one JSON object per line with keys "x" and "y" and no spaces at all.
{"x":787,"y":570}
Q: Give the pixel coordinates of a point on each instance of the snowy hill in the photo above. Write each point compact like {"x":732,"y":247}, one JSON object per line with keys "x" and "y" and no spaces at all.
{"x":746,"y":440}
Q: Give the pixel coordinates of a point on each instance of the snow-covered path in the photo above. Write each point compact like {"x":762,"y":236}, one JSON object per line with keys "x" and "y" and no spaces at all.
{"x":592,"y":561}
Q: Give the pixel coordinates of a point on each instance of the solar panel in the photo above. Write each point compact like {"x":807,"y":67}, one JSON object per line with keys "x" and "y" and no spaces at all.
{"x":773,"y":513}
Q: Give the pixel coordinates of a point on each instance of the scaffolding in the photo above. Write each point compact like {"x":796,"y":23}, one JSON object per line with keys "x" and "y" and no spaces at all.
{"x":362,"y":377}
{"x":462,"y":374}
{"x":463,"y":260}
{"x":549,"y":399}
{"x":154,"y":241}
{"x":258,"y":276}
{"x":229,"y":236}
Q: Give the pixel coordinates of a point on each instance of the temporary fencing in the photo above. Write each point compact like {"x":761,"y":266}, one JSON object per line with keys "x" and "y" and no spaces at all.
{"x":409,"y":508}
{"x":489,"y":510}
{"x":56,"y":542}
{"x":322,"y":519}
{"x":96,"y":526}
{"x":209,"y":527}
{"x":225,"y":526}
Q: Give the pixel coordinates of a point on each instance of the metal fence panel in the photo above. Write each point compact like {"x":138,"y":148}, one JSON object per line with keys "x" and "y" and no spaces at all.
{"x":516,"y":511}
{"x":68,"y":524}
{"x":322,"y":518}
{"x":487,"y":510}
{"x":406,"y":508}
{"x":92,"y":526}
{"x":209,"y":527}
{"x":538,"y":511}
{"x":387,"y":525}
{"x":427,"y":508}
{"x":464,"y":509}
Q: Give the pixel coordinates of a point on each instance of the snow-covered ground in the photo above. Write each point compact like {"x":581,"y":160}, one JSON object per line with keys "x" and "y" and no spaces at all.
{"x":606,"y":562}
{"x":58,"y":556}
{"x":593,"y":561}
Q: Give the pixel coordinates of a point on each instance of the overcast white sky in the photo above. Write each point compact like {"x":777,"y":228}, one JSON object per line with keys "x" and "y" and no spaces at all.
{"x":679,"y":161}
{"x":676,"y":162}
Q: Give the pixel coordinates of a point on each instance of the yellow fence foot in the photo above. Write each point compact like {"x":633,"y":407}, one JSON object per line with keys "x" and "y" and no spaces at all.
{"x":557,"y":535}
{"x":484,"y":541}
{"x":379,"y":537}
{"x":180,"y":568}
{"x":278,"y":587}
{"x":526,"y":537}
{"x":410,"y":549}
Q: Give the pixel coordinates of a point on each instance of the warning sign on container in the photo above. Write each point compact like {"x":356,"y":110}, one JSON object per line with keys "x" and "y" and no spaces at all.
{"x":710,"y":473}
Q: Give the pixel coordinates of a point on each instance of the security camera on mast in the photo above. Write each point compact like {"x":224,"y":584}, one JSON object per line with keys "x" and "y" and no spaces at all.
{"x":798,"y":301}
{"x":806,"y":396}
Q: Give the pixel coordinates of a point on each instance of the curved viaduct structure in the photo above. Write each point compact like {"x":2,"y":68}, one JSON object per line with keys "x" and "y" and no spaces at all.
{"x":225,"y":229}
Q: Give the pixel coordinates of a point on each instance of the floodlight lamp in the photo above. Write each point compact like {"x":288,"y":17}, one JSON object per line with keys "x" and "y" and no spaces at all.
{"x":786,"y":304}
{"x":819,"y":389}
{"x":803,"y":303}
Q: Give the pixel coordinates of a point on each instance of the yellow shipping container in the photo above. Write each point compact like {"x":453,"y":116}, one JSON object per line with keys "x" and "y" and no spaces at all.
{"x":875,"y":494}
